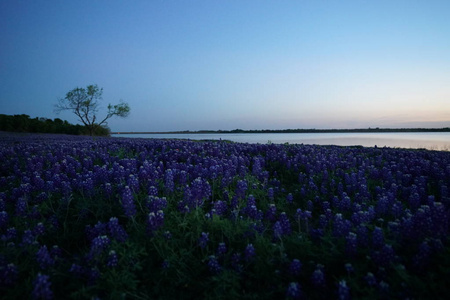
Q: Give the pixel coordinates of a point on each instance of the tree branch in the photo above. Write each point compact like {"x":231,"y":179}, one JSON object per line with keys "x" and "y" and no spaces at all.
{"x":84,"y":104}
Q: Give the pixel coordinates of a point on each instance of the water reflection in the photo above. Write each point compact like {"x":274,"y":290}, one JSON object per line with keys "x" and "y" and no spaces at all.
{"x":427,"y":140}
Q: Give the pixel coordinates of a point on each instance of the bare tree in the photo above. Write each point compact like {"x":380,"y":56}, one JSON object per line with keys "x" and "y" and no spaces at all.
{"x":84,"y":102}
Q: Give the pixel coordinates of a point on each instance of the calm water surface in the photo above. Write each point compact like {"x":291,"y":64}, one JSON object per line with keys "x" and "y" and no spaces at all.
{"x":432,"y":141}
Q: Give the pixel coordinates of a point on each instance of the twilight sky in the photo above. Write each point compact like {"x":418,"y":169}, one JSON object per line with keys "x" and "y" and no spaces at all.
{"x":192,"y":65}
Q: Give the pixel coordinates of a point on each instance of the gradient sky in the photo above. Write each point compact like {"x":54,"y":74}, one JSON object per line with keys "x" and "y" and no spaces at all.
{"x":192,"y":65}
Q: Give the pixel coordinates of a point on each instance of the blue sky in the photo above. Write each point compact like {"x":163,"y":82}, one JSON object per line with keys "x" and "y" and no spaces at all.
{"x":192,"y":65}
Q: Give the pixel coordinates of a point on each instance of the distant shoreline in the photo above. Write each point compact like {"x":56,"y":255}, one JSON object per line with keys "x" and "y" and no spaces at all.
{"x":361,"y":130}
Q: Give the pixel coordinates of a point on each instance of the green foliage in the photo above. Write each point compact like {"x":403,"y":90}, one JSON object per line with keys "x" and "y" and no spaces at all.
{"x":23,"y":123}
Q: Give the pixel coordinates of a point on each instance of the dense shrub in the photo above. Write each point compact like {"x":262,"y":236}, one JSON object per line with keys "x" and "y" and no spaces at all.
{"x":23,"y":123}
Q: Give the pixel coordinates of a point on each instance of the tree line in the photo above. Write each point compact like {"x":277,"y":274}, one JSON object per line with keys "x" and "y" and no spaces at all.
{"x":83,"y":102}
{"x":23,"y":123}
{"x":356,"y":130}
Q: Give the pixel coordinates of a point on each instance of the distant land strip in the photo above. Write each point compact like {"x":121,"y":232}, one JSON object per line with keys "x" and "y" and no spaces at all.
{"x":361,"y":130}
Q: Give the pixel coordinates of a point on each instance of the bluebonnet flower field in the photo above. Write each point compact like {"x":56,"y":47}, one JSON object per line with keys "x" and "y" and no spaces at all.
{"x":111,"y":218}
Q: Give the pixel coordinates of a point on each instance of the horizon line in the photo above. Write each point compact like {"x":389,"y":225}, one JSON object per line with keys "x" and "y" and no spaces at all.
{"x":298,"y":130}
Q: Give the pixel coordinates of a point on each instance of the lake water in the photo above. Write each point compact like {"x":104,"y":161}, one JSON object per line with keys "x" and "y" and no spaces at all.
{"x":428,"y":140}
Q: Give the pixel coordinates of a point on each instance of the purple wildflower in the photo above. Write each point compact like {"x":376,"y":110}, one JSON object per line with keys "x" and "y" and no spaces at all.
{"x":55,"y":252}
{"x":310,"y":205}
{"x":76,"y":269}
{"x":213,"y":265}
{"x":167,"y":235}
{"x":289,"y":198}
{"x":236,"y":262}
{"x":251,"y":210}
{"x":155,"y":221}
{"x":295,"y":267}
{"x":107,"y":189}
{"x":53,"y":220}
{"x":221,"y":249}
{"x":11,"y":234}
{"x":165,"y":264}
{"x":128,"y":203}
{"x":384,"y":256}
{"x":98,"y":229}
{"x":34,"y":213}
{"x":183,"y":177}
{"x":414,"y":201}
{"x":351,"y":244}
{"x":294,"y":291}
{"x":44,"y":258}
{"x":168,"y":180}
{"x":249,"y":253}
{"x":21,"y":207}
{"x":318,"y":278}
{"x":99,"y":244}
{"x":349,"y":268}
{"x":256,"y":227}
{"x":241,"y":188}
{"x":38,"y":183}
{"x":199,"y":191}
{"x":343,"y":290}
{"x":257,"y":166}
{"x":341,"y":226}
{"x":271,"y":212}
{"x":203,"y":240}
{"x":28,"y":238}
{"x":370,"y":279}
{"x":277,"y":230}
{"x":323,"y":221}
{"x":39,"y":229}
{"x":4,"y":218}
{"x":421,"y":259}
{"x":155,"y":203}
{"x":41,"y":287}
{"x":8,"y":274}
{"x":383,"y":287}
{"x":285,"y":224}
{"x":133,"y":183}
{"x":377,"y":237}
{"x":87,"y":186}
{"x":26,"y":189}
{"x":220,"y":207}
{"x":362,"y":234}
{"x":152,"y":191}
{"x":116,"y":230}
{"x":113,"y":260}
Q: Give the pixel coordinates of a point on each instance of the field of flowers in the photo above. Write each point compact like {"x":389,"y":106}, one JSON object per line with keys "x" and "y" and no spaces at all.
{"x":111,"y":218}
